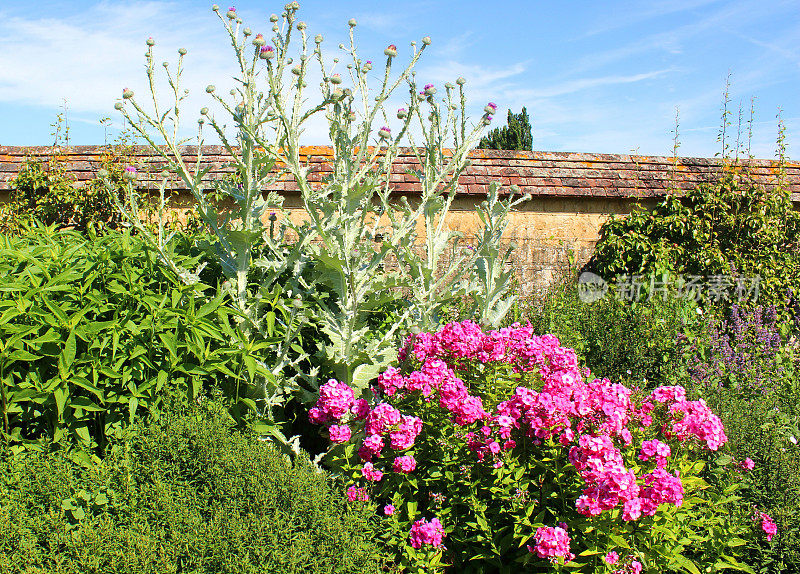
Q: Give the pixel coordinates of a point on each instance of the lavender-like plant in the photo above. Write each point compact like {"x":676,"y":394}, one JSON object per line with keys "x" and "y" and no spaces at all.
{"x":745,"y":353}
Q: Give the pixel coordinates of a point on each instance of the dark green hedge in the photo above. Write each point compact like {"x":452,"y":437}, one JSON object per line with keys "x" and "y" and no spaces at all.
{"x":186,"y":495}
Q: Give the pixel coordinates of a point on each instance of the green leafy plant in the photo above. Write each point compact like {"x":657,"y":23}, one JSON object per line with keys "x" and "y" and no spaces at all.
{"x":732,"y":228}
{"x":628,"y":337}
{"x":187,"y":494}
{"x":94,"y":334}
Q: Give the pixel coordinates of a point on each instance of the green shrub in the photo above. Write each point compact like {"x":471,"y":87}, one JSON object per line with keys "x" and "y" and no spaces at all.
{"x":45,"y":191}
{"x":630,"y":341}
{"x":732,"y":227}
{"x":93,"y":332}
{"x":186,"y":495}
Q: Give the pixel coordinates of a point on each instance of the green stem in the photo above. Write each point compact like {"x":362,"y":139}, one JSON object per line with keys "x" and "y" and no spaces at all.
{"x":5,"y":404}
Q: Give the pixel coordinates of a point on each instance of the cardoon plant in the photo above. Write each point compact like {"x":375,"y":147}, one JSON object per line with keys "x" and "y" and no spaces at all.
{"x":355,"y":231}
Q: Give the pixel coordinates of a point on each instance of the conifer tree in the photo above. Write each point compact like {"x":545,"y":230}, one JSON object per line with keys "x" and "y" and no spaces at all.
{"x":516,"y":135}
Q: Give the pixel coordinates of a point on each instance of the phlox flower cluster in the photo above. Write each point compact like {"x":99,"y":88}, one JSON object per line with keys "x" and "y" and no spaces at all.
{"x":355,"y":493}
{"x":591,"y":419}
{"x":767,"y":525}
{"x":424,"y":532}
{"x":551,"y":542}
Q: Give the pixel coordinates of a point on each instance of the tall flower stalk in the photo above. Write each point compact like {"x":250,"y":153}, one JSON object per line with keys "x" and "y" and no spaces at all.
{"x":359,"y":239}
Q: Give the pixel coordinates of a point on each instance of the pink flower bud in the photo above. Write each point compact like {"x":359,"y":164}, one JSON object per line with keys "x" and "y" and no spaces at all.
{"x":385,"y":133}
{"x":266,"y":53}
{"x":490,"y":108}
{"x":391,"y":50}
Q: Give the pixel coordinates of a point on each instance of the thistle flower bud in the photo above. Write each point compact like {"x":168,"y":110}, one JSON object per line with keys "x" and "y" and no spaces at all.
{"x":337,"y":94}
{"x":165,"y":64}
{"x":231,"y":13}
{"x":232,"y":92}
{"x":266,"y":53}
{"x":275,"y":28}
{"x":301,"y":25}
{"x":296,"y":70}
{"x":426,"y":41}
{"x":273,"y":18}
{"x":210,"y":89}
{"x":391,"y":50}
{"x":247,"y":31}
{"x":384,"y":133}
{"x":348,"y":92}
{"x":336,"y":79}
{"x":490,"y":108}
{"x":402,"y":114}
{"x":150,"y":41}
{"x":461,"y":81}
{"x":487,"y":120}
{"x":127,"y":94}
{"x":204,"y":111}
{"x":318,"y":38}
{"x":429,"y":90}
{"x":367,"y":66}
{"x":182,"y":51}
{"x":352,"y":22}
{"x":118,"y":106}
{"x":215,"y":7}
{"x":129,"y":173}
{"x":259,"y":40}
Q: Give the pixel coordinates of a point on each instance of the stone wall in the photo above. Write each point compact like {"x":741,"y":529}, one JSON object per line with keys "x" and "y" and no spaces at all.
{"x":572,"y":193}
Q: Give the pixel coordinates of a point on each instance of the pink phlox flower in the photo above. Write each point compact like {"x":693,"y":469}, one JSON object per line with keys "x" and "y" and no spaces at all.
{"x":355,"y":493}
{"x":371,"y":473}
{"x":372,"y":446}
{"x":360,"y":409}
{"x":768,"y":525}
{"x":335,"y":400}
{"x":612,"y":558}
{"x":404,"y":437}
{"x":424,"y":532}
{"x":551,"y":542}
{"x":390,"y":381}
{"x":404,"y":464}
{"x":388,"y":510}
{"x":380,"y":419}
{"x":695,"y":419}
{"x":339,"y":433}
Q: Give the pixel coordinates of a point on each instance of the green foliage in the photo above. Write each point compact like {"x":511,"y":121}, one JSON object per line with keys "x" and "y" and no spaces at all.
{"x":93,"y":334}
{"x":747,"y":371}
{"x":185,"y":495}
{"x":631,"y":341}
{"x":45,"y":191}
{"x":733,"y":227}
{"x":516,"y":134}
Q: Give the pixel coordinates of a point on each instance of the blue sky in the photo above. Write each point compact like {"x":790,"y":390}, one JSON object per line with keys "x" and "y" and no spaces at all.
{"x":602,"y":77}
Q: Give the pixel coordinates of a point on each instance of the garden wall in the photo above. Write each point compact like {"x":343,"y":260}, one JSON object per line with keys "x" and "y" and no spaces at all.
{"x":572,"y":193}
